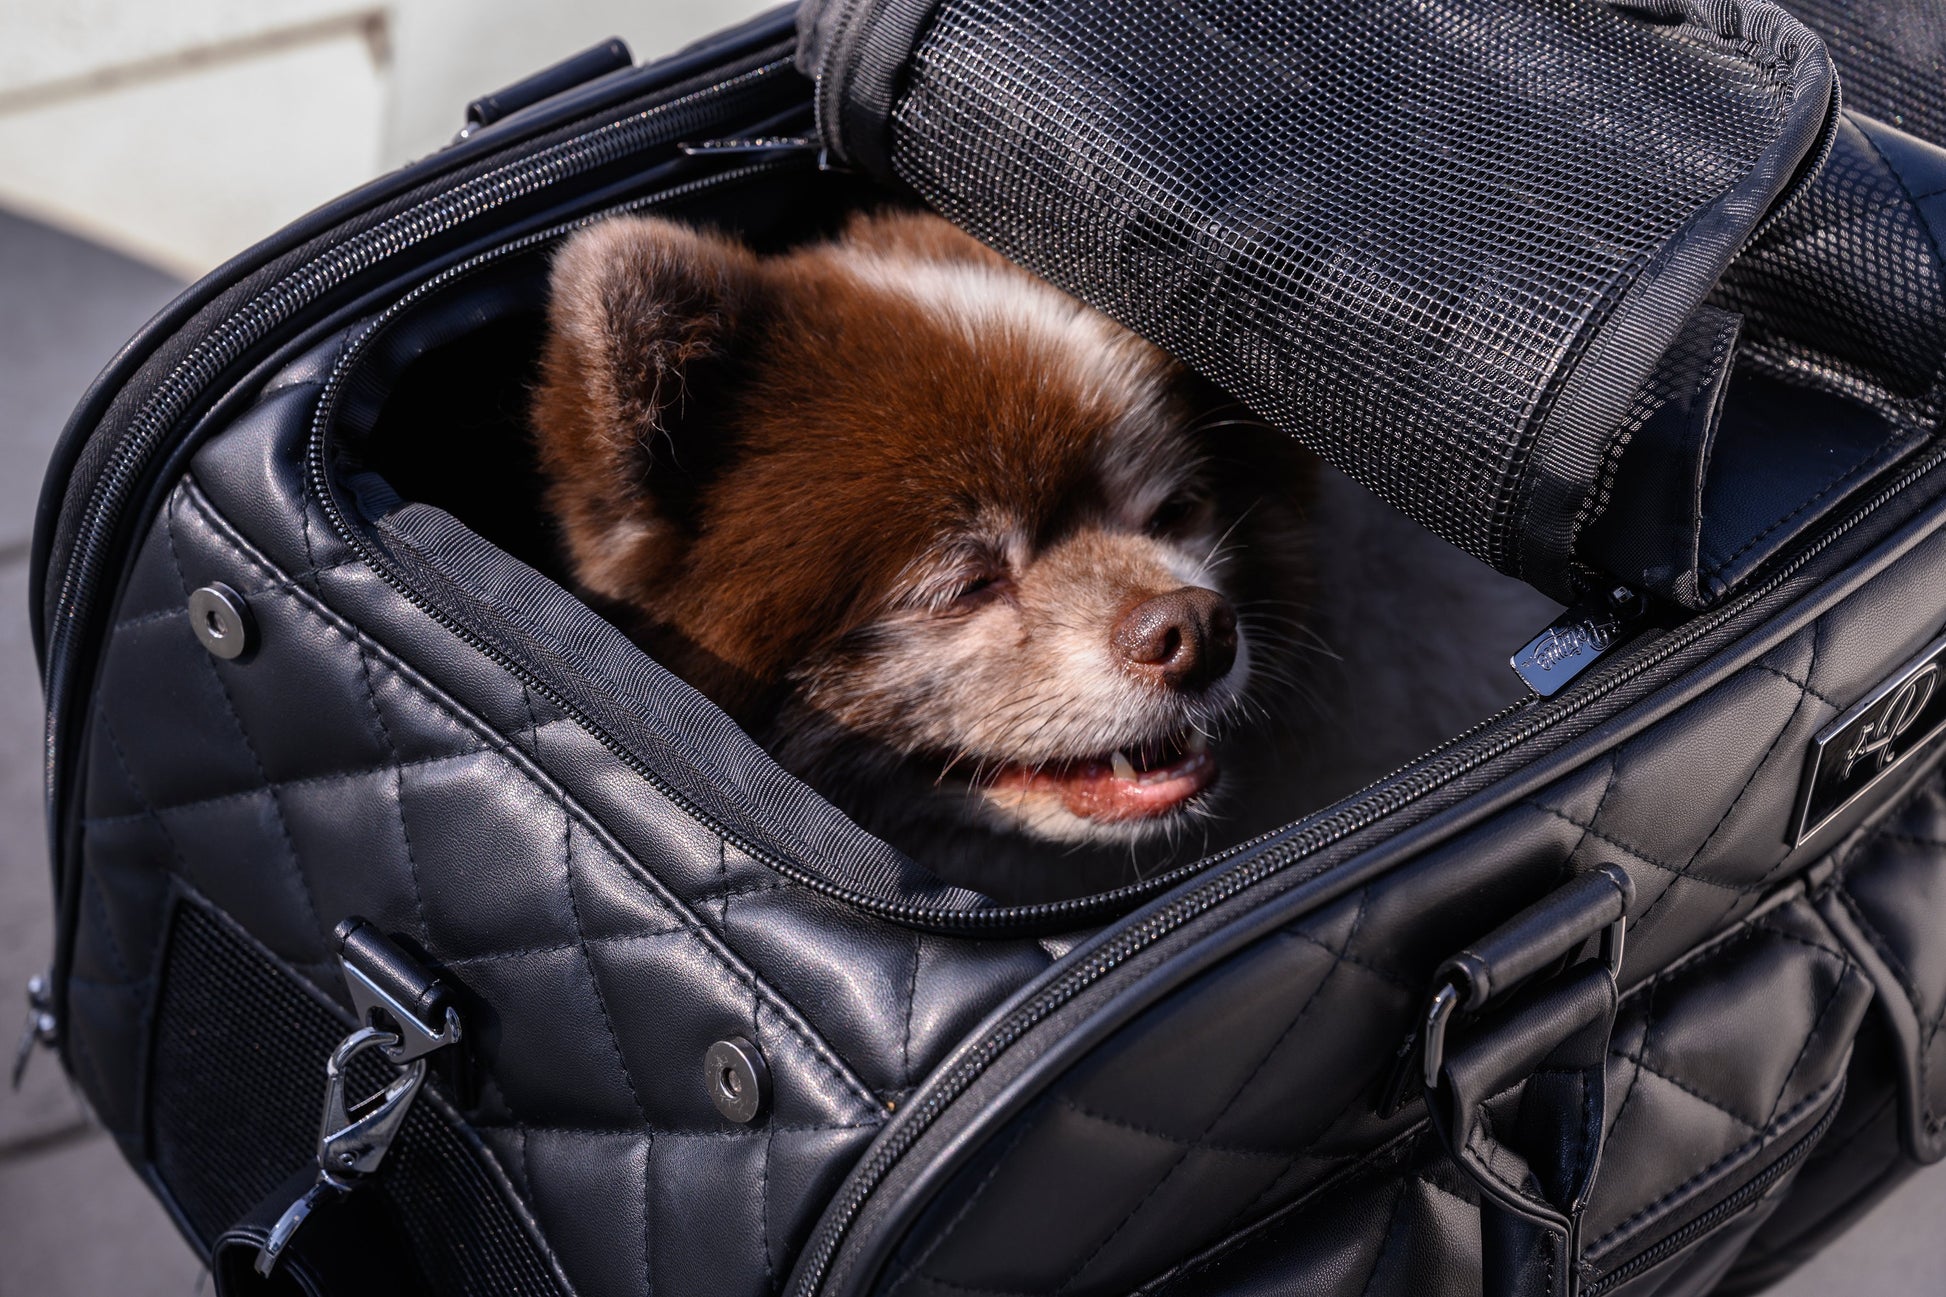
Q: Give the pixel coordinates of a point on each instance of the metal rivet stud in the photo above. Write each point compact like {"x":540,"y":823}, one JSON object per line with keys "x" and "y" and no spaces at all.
{"x":738,"y":1079}
{"x":222,"y":621}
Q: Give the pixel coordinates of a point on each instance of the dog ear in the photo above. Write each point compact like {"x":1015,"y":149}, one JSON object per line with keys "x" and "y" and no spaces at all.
{"x":638,"y":310}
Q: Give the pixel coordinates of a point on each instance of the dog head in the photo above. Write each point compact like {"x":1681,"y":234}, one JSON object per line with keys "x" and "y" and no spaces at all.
{"x":944,"y":539}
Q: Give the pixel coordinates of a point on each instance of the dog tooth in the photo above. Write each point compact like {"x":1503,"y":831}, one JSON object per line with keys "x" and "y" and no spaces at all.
{"x":1198,"y":743}
{"x":1124,"y":768}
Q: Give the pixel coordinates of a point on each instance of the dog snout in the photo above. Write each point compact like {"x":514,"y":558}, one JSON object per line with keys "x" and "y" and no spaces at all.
{"x":1186,"y":639}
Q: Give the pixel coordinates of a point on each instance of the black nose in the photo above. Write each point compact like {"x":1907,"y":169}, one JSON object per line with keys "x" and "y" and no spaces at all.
{"x":1186,"y":639}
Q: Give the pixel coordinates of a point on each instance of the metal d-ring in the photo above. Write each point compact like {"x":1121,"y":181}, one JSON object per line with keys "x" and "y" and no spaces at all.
{"x":1445,"y":1000}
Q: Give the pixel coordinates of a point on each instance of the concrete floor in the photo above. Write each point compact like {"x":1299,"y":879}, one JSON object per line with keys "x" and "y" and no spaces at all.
{"x":74,"y":1221}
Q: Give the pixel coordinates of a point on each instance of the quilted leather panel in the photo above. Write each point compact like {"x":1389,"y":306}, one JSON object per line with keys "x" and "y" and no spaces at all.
{"x":1890,"y":894}
{"x":1705,"y":1095}
{"x":1697,"y":807}
{"x":603,"y":937}
{"x":361,"y":761}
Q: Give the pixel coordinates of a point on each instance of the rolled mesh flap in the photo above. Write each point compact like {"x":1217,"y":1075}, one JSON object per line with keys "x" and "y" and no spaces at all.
{"x":1442,"y":243}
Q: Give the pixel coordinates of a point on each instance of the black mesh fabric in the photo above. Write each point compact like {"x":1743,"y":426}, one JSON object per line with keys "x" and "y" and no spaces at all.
{"x":1892,"y":56}
{"x":236,"y":1088}
{"x":1442,"y":243}
{"x":1845,"y":290}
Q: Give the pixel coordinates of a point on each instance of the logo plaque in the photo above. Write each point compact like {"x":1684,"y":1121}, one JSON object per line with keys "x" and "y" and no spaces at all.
{"x":1875,"y":737}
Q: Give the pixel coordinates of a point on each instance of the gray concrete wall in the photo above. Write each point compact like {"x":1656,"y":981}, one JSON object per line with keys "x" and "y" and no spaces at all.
{"x":181,"y":131}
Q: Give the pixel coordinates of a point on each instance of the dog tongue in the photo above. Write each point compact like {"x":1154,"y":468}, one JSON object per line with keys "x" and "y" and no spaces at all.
{"x":1092,"y":790}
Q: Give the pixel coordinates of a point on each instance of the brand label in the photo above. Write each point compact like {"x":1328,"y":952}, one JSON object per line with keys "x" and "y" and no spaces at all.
{"x":1868,"y":742}
{"x":1564,"y":650}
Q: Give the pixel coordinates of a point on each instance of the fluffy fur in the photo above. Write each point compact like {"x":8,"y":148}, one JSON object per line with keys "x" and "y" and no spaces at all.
{"x":902,"y":509}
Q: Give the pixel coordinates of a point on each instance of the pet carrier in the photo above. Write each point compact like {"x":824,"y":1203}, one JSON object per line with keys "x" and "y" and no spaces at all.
{"x":1634,"y":988}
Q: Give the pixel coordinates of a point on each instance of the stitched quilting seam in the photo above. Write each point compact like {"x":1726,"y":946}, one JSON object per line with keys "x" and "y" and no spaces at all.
{"x":1784,"y":1122}
{"x":1756,"y":770}
{"x":1303,"y":1010}
{"x":398,"y":799}
{"x":1838,"y":984}
{"x":727,"y":963}
{"x":254,"y":592}
{"x":305,"y":781}
{"x":236,"y":718}
{"x":1385,"y":1240}
{"x":1177,"y":1141}
{"x":1694,"y":1093}
{"x":1637,"y":853}
{"x":594,"y":973}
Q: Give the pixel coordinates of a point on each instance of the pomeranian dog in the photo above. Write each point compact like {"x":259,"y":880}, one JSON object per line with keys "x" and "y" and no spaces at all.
{"x":989,"y":571}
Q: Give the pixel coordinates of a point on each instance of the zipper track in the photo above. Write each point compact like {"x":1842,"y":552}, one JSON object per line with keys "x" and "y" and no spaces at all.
{"x":898,"y":1140}
{"x":667,"y":123}
{"x":1671,"y":1244}
{"x":244,"y":329}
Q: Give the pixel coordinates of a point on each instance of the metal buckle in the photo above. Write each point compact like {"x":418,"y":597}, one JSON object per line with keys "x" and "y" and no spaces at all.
{"x":411,"y":1037}
{"x":355,"y":1135}
{"x":1439,"y":1011}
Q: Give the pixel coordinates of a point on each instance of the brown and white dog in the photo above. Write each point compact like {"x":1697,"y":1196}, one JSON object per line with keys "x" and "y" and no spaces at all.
{"x":961,"y":552}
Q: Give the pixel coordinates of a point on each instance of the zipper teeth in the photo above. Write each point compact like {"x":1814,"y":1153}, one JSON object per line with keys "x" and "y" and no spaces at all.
{"x":238,"y":332}
{"x":666,"y":122}
{"x":895,"y":1143}
{"x":1670,"y":1244}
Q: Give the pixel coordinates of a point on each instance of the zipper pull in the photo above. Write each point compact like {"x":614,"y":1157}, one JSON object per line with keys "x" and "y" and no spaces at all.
{"x":43,"y":1028}
{"x":1576,"y":640}
{"x":760,"y":144}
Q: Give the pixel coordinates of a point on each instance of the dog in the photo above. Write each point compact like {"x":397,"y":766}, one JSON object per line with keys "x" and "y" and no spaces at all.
{"x":995,"y":575}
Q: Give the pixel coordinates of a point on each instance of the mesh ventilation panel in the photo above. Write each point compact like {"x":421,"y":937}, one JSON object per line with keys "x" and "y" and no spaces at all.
{"x":1892,"y":56}
{"x":235,"y":1089}
{"x":1441,"y":243}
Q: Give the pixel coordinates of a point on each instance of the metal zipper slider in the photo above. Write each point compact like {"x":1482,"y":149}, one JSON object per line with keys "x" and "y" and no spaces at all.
{"x":753,"y":144}
{"x":1576,"y":640}
{"x":761,"y":144}
{"x":43,"y":1028}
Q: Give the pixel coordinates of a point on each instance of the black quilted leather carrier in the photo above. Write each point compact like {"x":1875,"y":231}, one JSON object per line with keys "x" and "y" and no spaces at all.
{"x":1635,"y":988}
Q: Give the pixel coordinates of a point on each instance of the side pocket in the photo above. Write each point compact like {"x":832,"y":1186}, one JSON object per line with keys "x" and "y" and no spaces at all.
{"x":1724,"y":1072}
{"x":232,"y":1106}
{"x":1885,"y":904}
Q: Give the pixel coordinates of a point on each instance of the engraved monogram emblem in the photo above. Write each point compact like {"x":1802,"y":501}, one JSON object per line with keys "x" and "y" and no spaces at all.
{"x":1877,"y":739}
{"x":1565,"y":643}
{"x":1896,"y":721}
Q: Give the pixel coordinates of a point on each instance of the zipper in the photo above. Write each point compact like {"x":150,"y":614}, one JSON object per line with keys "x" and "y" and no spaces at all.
{"x":898,"y":1139}
{"x":1752,"y":1190}
{"x":232,"y":339}
{"x":669,"y":123}
{"x":1491,"y":738}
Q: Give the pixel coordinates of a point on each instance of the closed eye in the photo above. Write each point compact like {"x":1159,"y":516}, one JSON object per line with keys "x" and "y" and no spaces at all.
{"x":975,"y":592}
{"x":1184,"y":511}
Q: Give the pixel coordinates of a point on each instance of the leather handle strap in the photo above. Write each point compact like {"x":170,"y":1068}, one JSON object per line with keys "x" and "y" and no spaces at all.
{"x":1520,"y":1108}
{"x":1516,"y":1088}
{"x":1550,"y":929}
{"x":347,"y":1248}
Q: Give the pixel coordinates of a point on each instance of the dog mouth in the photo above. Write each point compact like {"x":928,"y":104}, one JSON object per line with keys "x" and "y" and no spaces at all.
{"x":1142,"y":782}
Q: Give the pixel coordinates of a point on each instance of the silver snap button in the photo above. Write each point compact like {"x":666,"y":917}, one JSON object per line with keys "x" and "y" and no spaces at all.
{"x":222,"y":621}
{"x":738,"y":1079}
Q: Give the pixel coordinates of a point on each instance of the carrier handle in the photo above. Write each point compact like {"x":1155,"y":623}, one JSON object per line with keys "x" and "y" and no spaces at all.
{"x":1517,"y":1095}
